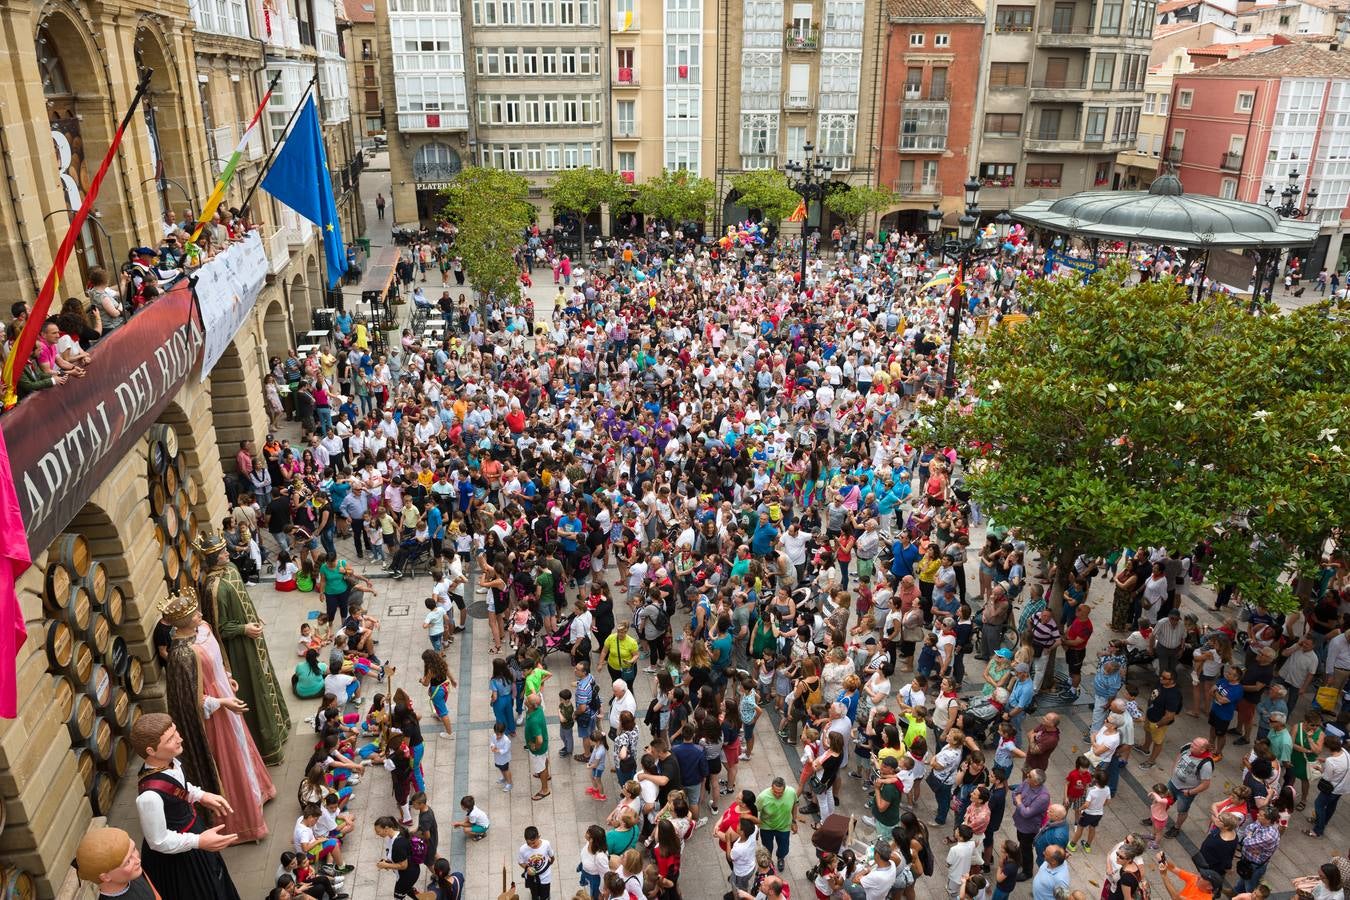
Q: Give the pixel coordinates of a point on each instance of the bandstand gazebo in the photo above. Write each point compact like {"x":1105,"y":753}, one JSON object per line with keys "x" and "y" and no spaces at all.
{"x":1165,"y":215}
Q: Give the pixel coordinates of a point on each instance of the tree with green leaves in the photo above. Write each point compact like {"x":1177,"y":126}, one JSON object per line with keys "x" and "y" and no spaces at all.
{"x":1126,"y":415}
{"x":857,"y":201}
{"x":675,"y":197}
{"x":583,"y":190}
{"x":491,"y":209}
{"x":766,"y":192}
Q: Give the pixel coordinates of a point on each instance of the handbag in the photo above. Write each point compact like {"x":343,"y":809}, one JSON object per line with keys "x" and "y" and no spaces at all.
{"x":1245,"y":867}
{"x":1324,"y":786}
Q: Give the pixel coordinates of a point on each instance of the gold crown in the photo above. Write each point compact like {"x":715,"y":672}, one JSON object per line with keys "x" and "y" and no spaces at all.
{"x":180,"y":607}
{"x":208,"y":543}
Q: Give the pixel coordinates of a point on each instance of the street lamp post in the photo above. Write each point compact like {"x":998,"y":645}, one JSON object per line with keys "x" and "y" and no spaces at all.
{"x":1288,"y":208}
{"x":810,"y":178}
{"x":967,"y":247}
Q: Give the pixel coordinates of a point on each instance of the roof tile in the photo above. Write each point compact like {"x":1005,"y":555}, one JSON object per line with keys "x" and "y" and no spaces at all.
{"x":1292,"y":60}
{"x":933,"y":9}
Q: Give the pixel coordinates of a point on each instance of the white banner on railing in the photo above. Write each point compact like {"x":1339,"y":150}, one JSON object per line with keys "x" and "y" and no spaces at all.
{"x":226,"y":289}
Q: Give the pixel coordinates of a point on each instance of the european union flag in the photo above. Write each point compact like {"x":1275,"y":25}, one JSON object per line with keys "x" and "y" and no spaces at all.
{"x":299,"y":178}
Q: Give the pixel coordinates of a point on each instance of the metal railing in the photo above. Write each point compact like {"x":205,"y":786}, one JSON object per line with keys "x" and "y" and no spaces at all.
{"x":1060,"y":29}
{"x":795,"y":38}
{"x":1231,"y":162}
{"x":1060,"y":84}
{"x":795,"y":100}
{"x":939,"y":94}
{"x":1174,"y":154}
{"x":917,"y":188}
{"x":625,"y":77}
{"x":435,"y":171}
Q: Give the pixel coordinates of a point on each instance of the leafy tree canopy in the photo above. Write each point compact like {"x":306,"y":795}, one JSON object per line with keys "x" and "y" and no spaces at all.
{"x":767,"y":191}
{"x":675,"y":197}
{"x":856,"y":201}
{"x":1127,"y":416}
{"x":491,"y":209}
{"x":584,"y":190}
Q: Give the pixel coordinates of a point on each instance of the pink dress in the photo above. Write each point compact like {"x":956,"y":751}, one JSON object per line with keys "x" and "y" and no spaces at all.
{"x":244,"y":780}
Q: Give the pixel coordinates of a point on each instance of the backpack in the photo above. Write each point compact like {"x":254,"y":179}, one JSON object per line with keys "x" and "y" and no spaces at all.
{"x":660,"y":621}
{"x":418,"y":854}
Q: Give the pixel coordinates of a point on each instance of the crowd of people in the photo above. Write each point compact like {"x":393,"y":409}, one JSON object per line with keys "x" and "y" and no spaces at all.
{"x":700,"y":479}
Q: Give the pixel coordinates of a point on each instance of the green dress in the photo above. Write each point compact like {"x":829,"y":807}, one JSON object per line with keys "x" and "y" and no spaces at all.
{"x":229,"y":609}
{"x":1300,"y":760}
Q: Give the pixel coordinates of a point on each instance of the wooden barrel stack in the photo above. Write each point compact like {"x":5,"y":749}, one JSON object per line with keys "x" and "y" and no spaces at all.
{"x":97,"y":678}
{"x":171,"y":507}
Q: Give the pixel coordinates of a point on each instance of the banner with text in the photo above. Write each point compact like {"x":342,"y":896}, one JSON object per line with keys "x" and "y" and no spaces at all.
{"x":65,"y":440}
{"x":226,"y":289}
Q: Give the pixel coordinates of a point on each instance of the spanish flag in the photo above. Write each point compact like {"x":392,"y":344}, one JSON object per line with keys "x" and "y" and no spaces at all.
{"x":798,"y":214}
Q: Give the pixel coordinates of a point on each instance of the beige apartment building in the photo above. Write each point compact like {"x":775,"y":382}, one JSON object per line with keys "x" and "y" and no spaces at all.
{"x":1064,"y":80}
{"x":367,"y":86}
{"x":792,"y":72}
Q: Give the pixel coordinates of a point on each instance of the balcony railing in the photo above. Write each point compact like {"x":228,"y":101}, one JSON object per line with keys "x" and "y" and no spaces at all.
{"x":918,"y":188}
{"x":1052,"y":182}
{"x":792,"y":100}
{"x":838,"y":162}
{"x":618,"y":24}
{"x":934,"y":94}
{"x":754,"y":162}
{"x":1231,"y":162}
{"x":997,"y":182}
{"x":435,"y":171}
{"x":625,"y":77}
{"x":625,"y":131}
{"x":798,"y":38}
{"x":1009,"y":27}
{"x":1060,"y":84}
{"x":279,"y":249}
{"x":1174,"y":154}
{"x":434,"y":121}
{"x":1063,"y":29}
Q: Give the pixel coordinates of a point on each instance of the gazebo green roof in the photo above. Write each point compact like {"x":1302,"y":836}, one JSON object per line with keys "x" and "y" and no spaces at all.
{"x":1165,"y":214}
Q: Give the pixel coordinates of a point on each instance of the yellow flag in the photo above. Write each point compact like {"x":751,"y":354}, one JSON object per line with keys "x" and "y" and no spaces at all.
{"x":627,"y":20}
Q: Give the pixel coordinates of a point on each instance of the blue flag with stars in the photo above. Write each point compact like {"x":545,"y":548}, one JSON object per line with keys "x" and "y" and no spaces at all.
{"x":299,"y":178}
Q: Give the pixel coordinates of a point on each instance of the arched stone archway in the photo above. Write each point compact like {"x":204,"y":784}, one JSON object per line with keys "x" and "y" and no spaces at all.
{"x":230,"y":412}
{"x":74,"y":89}
{"x":274,"y":330}
{"x":299,"y":300}
{"x":162,"y":118}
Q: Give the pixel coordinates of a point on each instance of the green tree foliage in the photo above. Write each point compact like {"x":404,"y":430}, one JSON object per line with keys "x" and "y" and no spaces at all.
{"x":675,"y":197}
{"x":491,"y":209}
{"x":768,"y":192}
{"x":855,"y":202}
{"x":1127,"y":416}
{"x":584,"y":190}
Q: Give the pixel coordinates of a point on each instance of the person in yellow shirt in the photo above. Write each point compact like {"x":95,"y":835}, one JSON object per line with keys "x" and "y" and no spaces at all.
{"x":361,"y":337}
{"x":620,"y":651}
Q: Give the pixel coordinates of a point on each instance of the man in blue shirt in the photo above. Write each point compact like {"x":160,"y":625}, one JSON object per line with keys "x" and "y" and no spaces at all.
{"x":569,"y":532}
{"x":693,"y":765}
{"x":904,"y":555}
{"x":762,"y":542}
{"x":1052,"y":875}
{"x":435,"y":530}
{"x":1020,"y":697}
{"x":1105,"y":685}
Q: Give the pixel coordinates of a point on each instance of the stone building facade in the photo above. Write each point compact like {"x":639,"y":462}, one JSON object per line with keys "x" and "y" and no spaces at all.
{"x":74,"y":66}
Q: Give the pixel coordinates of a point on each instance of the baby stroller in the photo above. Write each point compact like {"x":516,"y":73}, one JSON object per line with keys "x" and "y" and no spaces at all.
{"x":557,"y":638}
{"x":981,"y":716}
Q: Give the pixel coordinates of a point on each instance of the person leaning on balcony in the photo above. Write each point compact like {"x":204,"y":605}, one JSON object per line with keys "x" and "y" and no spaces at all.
{"x":106,"y":299}
{"x":34,"y":377}
{"x":57,"y":350}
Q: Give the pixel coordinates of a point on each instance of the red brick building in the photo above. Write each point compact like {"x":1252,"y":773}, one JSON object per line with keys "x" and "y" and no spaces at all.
{"x":933,"y":51}
{"x":1241,"y":125}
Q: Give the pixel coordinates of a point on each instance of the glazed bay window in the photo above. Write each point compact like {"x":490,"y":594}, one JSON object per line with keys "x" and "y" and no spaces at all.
{"x":1096,"y":124}
{"x":759,"y":140}
{"x":1014,"y":19}
{"x":924,"y":128}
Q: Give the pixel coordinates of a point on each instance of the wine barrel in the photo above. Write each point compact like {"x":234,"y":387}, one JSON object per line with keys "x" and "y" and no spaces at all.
{"x":134,"y":682}
{"x":194,"y":489}
{"x":194,"y":525}
{"x":86,"y":765}
{"x":163,"y":447}
{"x":116,"y":607}
{"x":63,"y":698}
{"x":102,"y":793}
{"x":83,"y":664}
{"x":194,"y":567}
{"x":99,"y":686}
{"x":118,"y":710}
{"x":79,"y":608}
{"x":185,"y":551}
{"x":161,"y":537}
{"x":56,"y":589}
{"x":98,"y":635}
{"x":71,"y":551}
{"x":80,"y":722}
{"x":96,"y":580}
{"x":119,"y":757}
{"x":60,"y":647}
{"x":180,"y":466}
{"x":159,"y":495}
{"x":136,"y":713}
{"x":118,"y":657}
{"x":100,"y":740}
{"x":171,"y":482}
{"x":172,"y":564}
{"x":171,"y":521}
{"x":16,"y":884}
{"x":180,"y":500}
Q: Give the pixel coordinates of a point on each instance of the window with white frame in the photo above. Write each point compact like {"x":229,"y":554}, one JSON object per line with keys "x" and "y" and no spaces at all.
{"x":916,"y":38}
{"x":759,"y":135}
{"x":836,"y":132}
{"x":625,"y":118}
{"x":627,"y":161}
{"x":1245,"y":101}
{"x":942,"y":40}
{"x":1228,"y":189}
{"x":1184,"y":98}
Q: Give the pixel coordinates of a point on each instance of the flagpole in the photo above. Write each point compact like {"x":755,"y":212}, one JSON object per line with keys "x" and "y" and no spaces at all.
{"x":213,"y":201}
{"x":276,"y":145}
{"x":23,"y":344}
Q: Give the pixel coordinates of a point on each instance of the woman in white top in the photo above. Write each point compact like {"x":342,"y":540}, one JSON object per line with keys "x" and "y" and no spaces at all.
{"x":1155,"y":593}
{"x":1105,"y":741}
{"x":594,"y":860}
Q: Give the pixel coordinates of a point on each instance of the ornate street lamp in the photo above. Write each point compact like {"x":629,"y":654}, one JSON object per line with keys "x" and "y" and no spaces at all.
{"x":810,"y":178}
{"x":967,"y":247}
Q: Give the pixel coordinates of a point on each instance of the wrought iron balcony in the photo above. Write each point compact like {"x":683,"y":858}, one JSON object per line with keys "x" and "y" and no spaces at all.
{"x":798,"y":38}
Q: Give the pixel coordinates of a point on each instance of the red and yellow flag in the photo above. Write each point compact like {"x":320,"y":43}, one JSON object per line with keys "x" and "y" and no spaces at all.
{"x":798,"y":214}
{"x":23,"y":345}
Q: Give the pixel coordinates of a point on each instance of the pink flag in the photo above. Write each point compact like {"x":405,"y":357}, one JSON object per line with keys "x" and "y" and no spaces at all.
{"x":14,"y":561}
